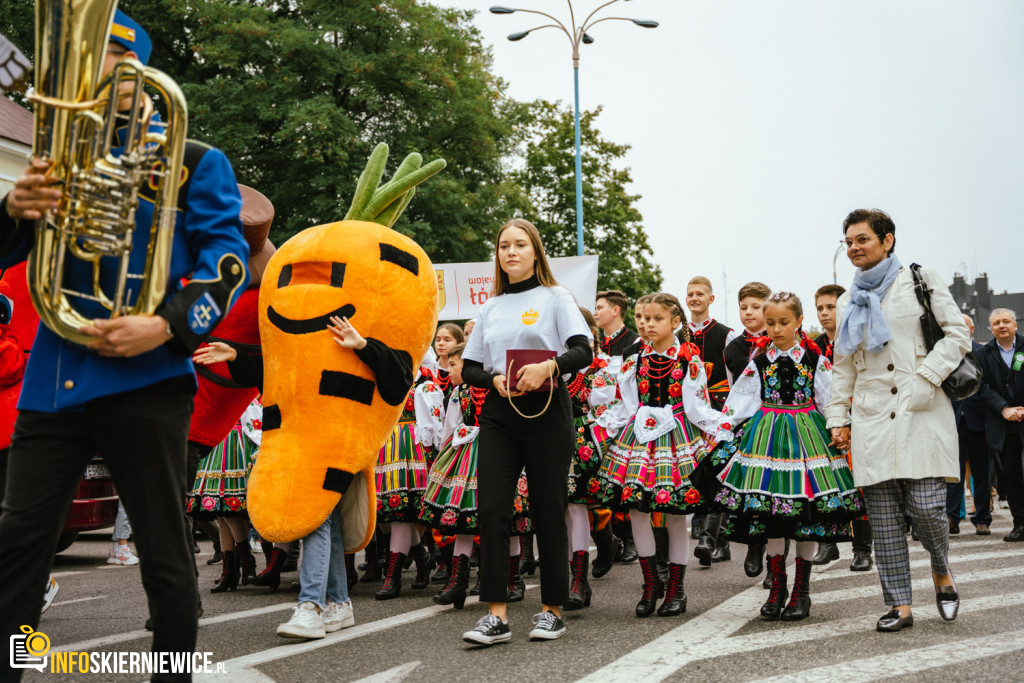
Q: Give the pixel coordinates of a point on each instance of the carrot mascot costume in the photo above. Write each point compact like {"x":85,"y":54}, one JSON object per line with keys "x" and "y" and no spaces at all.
{"x":325,"y":415}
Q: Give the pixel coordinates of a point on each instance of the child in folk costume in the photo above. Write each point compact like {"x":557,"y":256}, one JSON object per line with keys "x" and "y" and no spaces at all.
{"x":648,"y":467}
{"x":448,"y":335}
{"x":738,"y":354}
{"x":401,"y":474}
{"x":219,"y":491}
{"x":778,"y":473}
{"x":450,"y":498}
{"x":586,"y":458}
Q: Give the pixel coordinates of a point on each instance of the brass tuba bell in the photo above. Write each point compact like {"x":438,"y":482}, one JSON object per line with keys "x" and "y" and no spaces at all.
{"x":77,"y":130}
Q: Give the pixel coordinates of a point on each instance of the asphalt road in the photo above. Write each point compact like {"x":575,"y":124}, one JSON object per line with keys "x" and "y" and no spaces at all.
{"x":720,"y":637}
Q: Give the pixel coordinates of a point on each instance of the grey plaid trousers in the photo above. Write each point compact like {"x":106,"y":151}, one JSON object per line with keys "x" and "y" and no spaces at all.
{"x":888,"y":504}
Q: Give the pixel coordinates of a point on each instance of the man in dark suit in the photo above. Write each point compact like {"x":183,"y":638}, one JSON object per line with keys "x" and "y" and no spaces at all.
{"x":1002,"y":389}
{"x":970,"y":426}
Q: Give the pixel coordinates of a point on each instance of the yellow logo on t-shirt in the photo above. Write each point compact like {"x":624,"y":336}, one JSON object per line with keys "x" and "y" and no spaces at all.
{"x":530,"y":317}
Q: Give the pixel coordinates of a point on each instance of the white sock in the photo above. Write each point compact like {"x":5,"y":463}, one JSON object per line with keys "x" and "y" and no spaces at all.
{"x":643,"y":533}
{"x":678,"y":539}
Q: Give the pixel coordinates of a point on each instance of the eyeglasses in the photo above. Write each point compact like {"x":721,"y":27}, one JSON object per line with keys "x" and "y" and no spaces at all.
{"x":860,"y":241}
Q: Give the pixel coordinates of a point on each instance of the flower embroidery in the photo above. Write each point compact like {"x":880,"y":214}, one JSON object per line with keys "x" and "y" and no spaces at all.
{"x":257,"y":424}
{"x":643,"y":386}
{"x":523,"y":491}
{"x":585,"y":452}
{"x":692,"y":496}
{"x":410,"y":404}
{"x":209,"y":503}
{"x":650,"y":423}
{"x":694,"y":371}
{"x":642,"y":372}
{"x":677,"y":374}
{"x":662,"y":496}
{"x":462,"y":431}
{"x":394,"y":500}
{"x":674,"y":390}
{"x":233,"y":503}
{"x":593,"y":486}
{"x":726,"y":426}
{"x":600,"y":382}
{"x":449,"y":517}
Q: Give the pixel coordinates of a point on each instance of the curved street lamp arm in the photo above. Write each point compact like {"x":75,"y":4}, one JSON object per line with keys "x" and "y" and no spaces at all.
{"x":586,"y":22}
{"x":544,"y":14}
{"x":558,"y":26}
{"x":609,"y":19}
{"x":572,"y":16}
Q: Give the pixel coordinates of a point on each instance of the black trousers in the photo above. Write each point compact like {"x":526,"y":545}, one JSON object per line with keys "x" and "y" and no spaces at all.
{"x":142,"y":437}
{"x":974,"y":450}
{"x":1012,"y":476}
{"x":543,"y":447}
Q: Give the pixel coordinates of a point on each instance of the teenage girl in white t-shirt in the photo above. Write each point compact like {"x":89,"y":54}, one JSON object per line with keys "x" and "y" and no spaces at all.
{"x":527,"y":311}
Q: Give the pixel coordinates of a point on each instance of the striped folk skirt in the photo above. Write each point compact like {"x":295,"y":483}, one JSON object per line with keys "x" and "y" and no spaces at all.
{"x":652,"y":476}
{"x":450,"y":502}
{"x":780,"y":479}
{"x":401,"y":475}
{"x":222,"y":478}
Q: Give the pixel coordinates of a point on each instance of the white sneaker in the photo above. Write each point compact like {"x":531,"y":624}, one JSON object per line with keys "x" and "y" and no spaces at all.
{"x":338,"y":615}
{"x":306,"y":622}
{"x":122,"y":556}
{"x":51,"y":593}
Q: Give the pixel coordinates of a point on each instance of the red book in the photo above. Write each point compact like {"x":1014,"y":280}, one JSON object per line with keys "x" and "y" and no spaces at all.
{"x":516,"y":359}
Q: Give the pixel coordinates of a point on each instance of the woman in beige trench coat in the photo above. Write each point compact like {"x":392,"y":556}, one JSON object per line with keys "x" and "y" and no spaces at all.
{"x":886,"y":397}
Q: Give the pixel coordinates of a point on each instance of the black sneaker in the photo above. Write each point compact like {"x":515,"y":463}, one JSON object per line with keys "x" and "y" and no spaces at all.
{"x":489,"y":630}
{"x":547,"y":626}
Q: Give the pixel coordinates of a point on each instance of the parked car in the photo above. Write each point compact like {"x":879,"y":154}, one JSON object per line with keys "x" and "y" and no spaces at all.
{"x":95,"y":504}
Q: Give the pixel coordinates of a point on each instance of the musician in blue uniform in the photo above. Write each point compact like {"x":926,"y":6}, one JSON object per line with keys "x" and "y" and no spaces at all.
{"x":128,"y":395}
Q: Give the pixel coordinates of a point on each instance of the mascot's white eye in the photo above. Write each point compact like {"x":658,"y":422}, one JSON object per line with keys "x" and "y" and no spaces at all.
{"x":6,"y":310}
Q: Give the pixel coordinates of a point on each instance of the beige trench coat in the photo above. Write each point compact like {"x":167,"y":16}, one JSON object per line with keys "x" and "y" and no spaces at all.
{"x":901,"y":422}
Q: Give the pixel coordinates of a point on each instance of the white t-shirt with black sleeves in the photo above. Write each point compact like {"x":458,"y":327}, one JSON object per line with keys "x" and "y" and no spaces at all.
{"x":539,"y":318}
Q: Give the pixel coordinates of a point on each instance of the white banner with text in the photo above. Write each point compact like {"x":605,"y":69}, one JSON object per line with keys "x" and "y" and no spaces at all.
{"x":462,"y":288}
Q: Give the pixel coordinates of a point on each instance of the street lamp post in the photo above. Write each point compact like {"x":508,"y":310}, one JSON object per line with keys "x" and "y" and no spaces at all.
{"x":576,"y":34}
{"x":835,"y":273}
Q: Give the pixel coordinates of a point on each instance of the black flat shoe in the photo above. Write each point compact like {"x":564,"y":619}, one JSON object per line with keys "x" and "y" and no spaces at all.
{"x":861,"y":561}
{"x":893,"y":621}
{"x":1015,"y":536}
{"x":948,"y":600}
{"x":827,"y":553}
{"x":753,"y":563}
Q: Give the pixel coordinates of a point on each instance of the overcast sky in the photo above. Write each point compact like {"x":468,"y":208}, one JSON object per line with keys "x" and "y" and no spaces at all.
{"x":757,"y":126}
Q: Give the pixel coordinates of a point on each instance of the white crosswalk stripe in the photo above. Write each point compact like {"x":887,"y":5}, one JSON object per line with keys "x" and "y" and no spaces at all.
{"x":710,"y":634}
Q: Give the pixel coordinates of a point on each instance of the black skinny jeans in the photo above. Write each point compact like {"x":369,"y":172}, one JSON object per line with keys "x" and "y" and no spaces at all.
{"x":543,"y":446}
{"x":142,"y":436}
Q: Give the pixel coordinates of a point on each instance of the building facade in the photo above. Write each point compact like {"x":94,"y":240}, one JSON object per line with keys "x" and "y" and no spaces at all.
{"x":978,"y":301}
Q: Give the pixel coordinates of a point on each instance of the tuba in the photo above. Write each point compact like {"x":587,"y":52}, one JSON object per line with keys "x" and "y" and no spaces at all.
{"x":77,"y":129}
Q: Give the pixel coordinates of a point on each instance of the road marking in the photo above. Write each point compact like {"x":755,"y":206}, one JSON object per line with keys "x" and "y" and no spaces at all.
{"x":917,"y":584}
{"x":668,"y":653}
{"x":59,"y":575}
{"x":69,"y":602}
{"x":96,"y":643}
{"x":953,"y":556}
{"x":839,"y":627}
{"x":284,"y":651}
{"x":391,"y":675}
{"x":909,"y":661}
{"x":707,"y":635}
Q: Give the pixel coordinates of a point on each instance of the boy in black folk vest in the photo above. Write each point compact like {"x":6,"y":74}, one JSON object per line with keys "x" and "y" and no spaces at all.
{"x":711,"y":337}
{"x":825,"y":304}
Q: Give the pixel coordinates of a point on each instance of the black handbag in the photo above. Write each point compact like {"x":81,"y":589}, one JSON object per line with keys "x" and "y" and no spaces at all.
{"x":963,"y":382}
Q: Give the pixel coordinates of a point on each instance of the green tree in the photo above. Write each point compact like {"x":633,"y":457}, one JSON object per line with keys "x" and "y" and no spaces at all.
{"x":297,"y":94}
{"x":612,"y":226}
